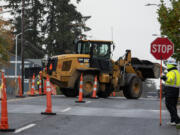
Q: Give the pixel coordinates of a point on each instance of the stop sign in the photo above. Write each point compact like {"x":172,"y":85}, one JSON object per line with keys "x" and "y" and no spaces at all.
{"x":162,"y":48}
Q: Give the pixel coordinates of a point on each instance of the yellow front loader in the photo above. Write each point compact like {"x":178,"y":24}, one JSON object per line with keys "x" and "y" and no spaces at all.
{"x":93,"y":58}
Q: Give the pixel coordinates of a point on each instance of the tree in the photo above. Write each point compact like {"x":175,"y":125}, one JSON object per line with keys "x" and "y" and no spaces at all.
{"x":63,"y":25}
{"x":169,"y":19}
{"x":32,"y":20}
{"x":55,"y":24}
{"x":6,"y":40}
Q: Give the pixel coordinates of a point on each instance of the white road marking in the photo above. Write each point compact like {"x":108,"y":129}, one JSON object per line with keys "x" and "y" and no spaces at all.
{"x":65,"y":110}
{"x":25,"y":128}
{"x":88,"y":102}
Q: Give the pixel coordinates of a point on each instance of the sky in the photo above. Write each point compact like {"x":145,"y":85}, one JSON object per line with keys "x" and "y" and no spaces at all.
{"x":133,"y":25}
{"x":129,"y":23}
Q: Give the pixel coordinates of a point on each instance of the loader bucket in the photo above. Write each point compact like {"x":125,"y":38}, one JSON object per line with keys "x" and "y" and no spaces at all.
{"x":147,"y":68}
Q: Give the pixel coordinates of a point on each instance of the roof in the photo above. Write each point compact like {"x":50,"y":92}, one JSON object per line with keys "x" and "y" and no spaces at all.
{"x":36,"y":61}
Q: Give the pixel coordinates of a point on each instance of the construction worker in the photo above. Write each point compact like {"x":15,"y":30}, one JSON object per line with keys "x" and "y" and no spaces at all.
{"x":38,"y":78}
{"x":172,"y":85}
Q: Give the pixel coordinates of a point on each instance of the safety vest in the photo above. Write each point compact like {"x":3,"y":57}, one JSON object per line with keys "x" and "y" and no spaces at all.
{"x":1,"y":87}
{"x":173,"y":79}
{"x":38,"y":82}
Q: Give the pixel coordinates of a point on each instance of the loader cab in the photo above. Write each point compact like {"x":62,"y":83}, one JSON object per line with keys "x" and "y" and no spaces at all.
{"x":99,"y":51}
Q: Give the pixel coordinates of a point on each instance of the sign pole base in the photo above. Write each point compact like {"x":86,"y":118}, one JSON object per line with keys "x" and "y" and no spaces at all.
{"x":7,"y":130}
{"x":45,"y":113}
{"x":80,"y":101}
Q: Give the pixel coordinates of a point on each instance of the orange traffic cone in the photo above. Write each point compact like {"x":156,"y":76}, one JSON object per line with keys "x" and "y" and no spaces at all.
{"x":40,"y":86}
{"x":4,"y":126}
{"x":20,"y":87}
{"x":95,"y":88}
{"x":114,"y":93}
{"x":53,"y":89}
{"x":80,"y":90}
{"x":33,"y":86}
{"x":44,"y":92}
{"x":48,"y":99}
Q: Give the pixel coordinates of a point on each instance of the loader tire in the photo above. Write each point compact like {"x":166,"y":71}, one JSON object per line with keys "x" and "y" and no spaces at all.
{"x":69,"y":92}
{"x":133,"y":90}
{"x":88,"y":83}
{"x":126,"y":92}
{"x":107,"y":92}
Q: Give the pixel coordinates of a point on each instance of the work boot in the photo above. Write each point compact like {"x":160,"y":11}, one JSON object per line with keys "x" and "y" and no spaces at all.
{"x":171,"y":123}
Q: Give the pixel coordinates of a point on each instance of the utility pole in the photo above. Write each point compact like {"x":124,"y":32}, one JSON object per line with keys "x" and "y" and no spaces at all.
{"x":22,"y":46}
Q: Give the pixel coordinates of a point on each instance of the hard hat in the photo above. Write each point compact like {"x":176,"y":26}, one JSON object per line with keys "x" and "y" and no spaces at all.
{"x":171,"y":63}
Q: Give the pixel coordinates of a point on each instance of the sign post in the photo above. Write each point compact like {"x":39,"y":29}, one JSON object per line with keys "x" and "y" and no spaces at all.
{"x":161,"y":49}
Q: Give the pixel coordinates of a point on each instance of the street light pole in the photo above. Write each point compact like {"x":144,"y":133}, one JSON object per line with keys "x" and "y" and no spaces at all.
{"x":15,"y":73}
{"x":22,"y":49}
{"x":16,"y":54}
{"x":15,"y":70}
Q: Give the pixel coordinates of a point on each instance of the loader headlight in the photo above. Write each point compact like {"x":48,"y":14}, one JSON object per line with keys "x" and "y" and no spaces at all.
{"x":86,"y":60}
{"x":80,"y":60}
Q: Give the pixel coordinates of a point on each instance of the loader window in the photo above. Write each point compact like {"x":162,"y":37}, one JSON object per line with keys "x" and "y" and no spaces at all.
{"x":101,"y":50}
{"x":97,"y":49}
{"x":83,"y":48}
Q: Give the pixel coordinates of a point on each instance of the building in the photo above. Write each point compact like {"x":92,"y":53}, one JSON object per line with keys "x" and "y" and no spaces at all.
{"x":12,"y":78}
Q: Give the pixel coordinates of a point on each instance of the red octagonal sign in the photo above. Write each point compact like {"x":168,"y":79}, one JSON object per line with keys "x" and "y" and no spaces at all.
{"x":162,"y":48}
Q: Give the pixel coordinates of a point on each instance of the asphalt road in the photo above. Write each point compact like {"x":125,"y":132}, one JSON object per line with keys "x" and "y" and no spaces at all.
{"x":112,"y":116}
